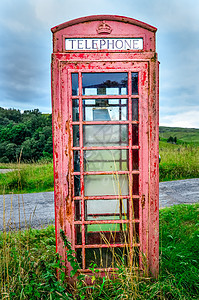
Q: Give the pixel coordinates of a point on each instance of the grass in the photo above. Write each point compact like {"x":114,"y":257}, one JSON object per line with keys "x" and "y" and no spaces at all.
{"x":178,"y":162}
{"x":27,"y":178}
{"x":28,"y":265}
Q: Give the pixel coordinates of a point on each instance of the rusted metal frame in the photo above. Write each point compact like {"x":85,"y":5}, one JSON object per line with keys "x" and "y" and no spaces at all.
{"x":101,"y":148}
{"x":141,"y":159}
{"x":87,"y":97}
{"x":110,"y":97}
{"x":81,"y":166}
{"x":57,"y":153}
{"x":109,"y":172}
{"x":105,"y":214}
{"x":153,"y":174}
{"x":70,"y":107}
{"x":105,"y":122}
{"x":134,"y":59}
{"x":65,"y":158}
{"x":144,"y":166}
{"x":110,"y":105}
{"x":107,"y":222}
{"x":106,"y":245}
{"x":130,"y":164}
{"x":110,"y":197}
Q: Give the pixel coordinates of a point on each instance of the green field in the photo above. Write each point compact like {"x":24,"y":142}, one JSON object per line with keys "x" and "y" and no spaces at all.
{"x":179,"y":160}
{"x":183,"y":135}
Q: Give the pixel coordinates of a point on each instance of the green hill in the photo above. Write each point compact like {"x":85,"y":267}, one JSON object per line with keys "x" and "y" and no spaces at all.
{"x":185,"y":135}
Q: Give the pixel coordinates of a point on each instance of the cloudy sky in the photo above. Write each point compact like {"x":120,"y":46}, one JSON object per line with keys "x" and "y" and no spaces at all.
{"x":26,"y":46}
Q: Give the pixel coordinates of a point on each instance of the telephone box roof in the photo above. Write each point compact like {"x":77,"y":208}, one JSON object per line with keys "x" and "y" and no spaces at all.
{"x":103,"y":18}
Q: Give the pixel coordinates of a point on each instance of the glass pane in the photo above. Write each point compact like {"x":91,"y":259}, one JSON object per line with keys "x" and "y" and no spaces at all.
{"x":77,"y":188}
{"x":97,"y":185}
{"x":136,"y":208}
{"x":135,"y":83}
{"x":135,"y":135}
{"x":136,"y":233}
{"x":76,"y":154}
{"x":78,"y":234}
{"x":134,"y":109}
{"x":75,"y":109}
{"x":106,"y":234}
{"x":105,"y":160}
{"x":75,"y":135}
{"x":77,"y":204}
{"x":114,"y":209}
{"x":105,"y":109}
{"x":135,"y":184}
{"x":104,"y":83}
{"x":106,"y":257}
{"x":135,"y":159}
{"x":79,"y":257}
{"x":75,"y":84}
{"x":105,"y":135}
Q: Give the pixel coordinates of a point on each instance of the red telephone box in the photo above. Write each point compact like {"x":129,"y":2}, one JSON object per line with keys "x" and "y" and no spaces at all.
{"x":105,"y":138}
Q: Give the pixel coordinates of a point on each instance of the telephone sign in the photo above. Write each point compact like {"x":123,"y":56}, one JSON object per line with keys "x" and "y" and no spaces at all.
{"x":104,"y":44}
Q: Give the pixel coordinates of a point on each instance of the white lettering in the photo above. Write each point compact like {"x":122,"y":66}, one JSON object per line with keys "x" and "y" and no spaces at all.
{"x":105,"y":43}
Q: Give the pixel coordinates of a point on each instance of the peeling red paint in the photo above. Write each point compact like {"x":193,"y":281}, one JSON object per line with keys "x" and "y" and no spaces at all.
{"x":145,"y":63}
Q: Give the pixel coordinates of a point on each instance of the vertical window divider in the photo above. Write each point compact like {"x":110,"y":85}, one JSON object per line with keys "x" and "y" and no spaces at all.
{"x":81,"y":168}
{"x":70,"y":108}
{"x":130,"y":164}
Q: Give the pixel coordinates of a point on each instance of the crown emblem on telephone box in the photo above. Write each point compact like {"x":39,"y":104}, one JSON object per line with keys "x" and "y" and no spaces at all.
{"x":104,"y":28}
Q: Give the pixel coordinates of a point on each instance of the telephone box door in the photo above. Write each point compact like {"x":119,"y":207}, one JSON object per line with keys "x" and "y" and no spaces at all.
{"x":107,"y":150}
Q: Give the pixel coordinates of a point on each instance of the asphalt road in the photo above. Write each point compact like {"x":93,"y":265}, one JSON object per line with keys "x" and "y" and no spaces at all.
{"x":37,"y":210}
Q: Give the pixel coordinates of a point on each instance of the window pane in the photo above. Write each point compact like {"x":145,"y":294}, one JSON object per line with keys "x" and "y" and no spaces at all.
{"x":106,"y":234}
{"x":79,"y":257}
{"x":106,"y":257}
{"x":98,"y":185}
{"x":77,"y":204}
{"x":75,"y":84}
{"x":105,"y":160}
{"x":78,"y":234}
{"x":104,"y":83}
{"x":135,"y":159}
{"x":76,"y":161}
{"x":135,"y":184}
{"x":136,"y":208}
{"x":135,"y":83}
{"x":114,"y":209}
{"x":75,"y":135}
{"x":135,"y":135}
{"x":75,"y":109}
{"x":105,"y":135}
{"x":77,"y":185}
{"x":105,"y":109}
{"x":134,"y":109}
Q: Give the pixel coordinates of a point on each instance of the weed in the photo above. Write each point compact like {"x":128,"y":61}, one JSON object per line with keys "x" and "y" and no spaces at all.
{"x":28,"y":264}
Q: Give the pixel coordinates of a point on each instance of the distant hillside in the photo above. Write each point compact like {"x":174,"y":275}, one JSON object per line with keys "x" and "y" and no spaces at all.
{"x":187,"y":135}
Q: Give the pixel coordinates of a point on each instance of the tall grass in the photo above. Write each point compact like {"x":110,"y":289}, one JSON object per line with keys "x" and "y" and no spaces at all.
{"x":25,"y":178}
{"x":178,"y":162}
{"x":28,"y":265}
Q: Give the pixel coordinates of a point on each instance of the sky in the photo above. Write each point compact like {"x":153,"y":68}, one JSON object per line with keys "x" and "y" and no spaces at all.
{"x":26,"y":47}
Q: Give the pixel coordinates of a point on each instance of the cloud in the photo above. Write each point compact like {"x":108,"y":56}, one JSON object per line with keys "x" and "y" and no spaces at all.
{"x":26,"y":47}
{"x":187,"y":119}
